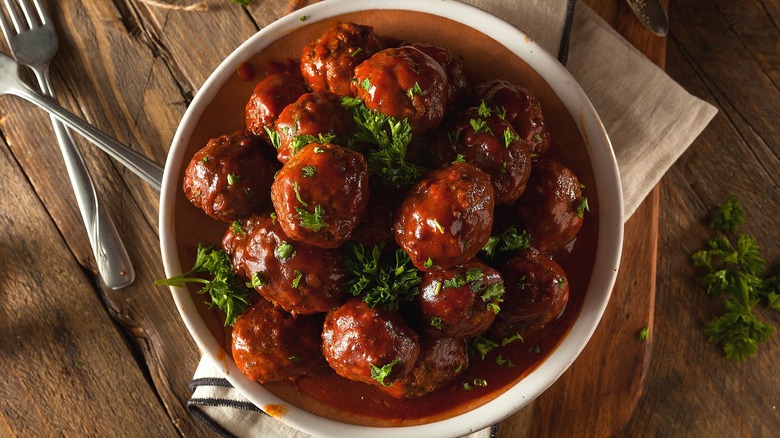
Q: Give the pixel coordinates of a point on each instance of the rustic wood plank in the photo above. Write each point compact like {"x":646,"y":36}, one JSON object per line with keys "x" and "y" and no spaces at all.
{"x":60,"y":351}
{"x":693,"y":388}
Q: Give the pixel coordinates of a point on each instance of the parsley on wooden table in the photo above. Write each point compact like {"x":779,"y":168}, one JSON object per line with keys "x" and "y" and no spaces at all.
{"x":732,"y":269}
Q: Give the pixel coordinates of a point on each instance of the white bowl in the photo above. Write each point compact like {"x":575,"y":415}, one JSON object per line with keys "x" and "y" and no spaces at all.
{"x":551,"y":76}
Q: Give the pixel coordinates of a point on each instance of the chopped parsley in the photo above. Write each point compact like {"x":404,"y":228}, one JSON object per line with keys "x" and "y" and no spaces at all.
{"x":415,"y":91}
{"x":735,"y":274}
{"x":273,"y":137}
{"x":509,"y":240}
{"x":437,"y":225}
{"x":297,"y":191}
{"x":379,"y":281}
{"x":312,"y":220}
{"x":381,"y":373}
{"x":428,"y":263}
{"x":500,"y":360}
{"x":308,"y":171}
{"x":231,"y":179}
{"x":356,"y":52}
{"x":479,"y":126}
{"x":436,"y":322}
{"x":284,"y":251}
{"x":227,"y":292}
{"x":237,"y":229}
{"x":388,"y":139}
{"x":256,"y":281}
{"x":482,"y":346}
{"x":643,"y":334}
{"x":510,"y":137}
{"x":299,"y":141}
{"x":297,"y":279}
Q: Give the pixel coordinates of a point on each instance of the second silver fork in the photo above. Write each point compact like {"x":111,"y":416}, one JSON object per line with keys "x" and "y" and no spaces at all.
{"x":33,"y":42}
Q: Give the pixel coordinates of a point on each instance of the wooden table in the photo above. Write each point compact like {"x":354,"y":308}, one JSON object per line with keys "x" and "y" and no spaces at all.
{"x":80,"y":359}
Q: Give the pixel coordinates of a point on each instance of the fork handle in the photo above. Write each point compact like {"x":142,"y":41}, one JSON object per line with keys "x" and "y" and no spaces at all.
{"x":112,"y":260}
{"x":148,"y":170}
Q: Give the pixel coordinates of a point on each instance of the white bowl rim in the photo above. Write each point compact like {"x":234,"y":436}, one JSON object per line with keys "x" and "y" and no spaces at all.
{"x":608,"y":252}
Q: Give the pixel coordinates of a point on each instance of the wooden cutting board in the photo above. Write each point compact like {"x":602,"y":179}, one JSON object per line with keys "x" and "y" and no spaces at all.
{"x":600,"y":391}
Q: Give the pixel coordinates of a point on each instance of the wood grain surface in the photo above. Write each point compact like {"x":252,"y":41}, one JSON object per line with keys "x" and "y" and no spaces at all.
{"x":78,"y":359}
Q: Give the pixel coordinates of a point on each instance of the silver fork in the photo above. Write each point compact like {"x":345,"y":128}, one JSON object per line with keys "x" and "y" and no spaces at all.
{"x":33,"y":42}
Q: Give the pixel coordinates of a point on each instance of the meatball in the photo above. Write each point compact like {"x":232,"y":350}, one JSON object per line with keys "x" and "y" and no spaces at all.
{"x":403,"y":83}
{"x":458,"y":87}
{"x":312,"y":115}
{"x":441,"y":361}
{"x":321,"y":194}
{"x":523,"y":111}
{"x":299,"y":278}
{"x":270,"y":96}
{"x":269,"y":344}
{"x":460,"y":302}
{"x":551,"y":208}
{"x":483,"y":137}
{"x":229,"y":177}
{"x":445,"y":219}
{"x":536,"y":294}
{"x":328,"y":62}
{"x":369,"y":345}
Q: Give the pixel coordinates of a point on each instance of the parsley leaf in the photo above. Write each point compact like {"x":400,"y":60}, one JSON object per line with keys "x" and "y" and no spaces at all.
{"x":381,"y":373}
{"x":728,"y":216}
{"x":227,"y":292}
{"x":378,"y":281}
{"x":509,"y":240}
{"x":312,"y":220}
{"x":389,"y":139}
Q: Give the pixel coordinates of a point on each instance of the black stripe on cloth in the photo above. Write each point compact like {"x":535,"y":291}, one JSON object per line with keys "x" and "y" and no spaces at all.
{"x":494,"y":429}
{"x":225,"y":403}
{"x":209,"y":381}
{"x":204,"y":418}
{"x":563,"y":49}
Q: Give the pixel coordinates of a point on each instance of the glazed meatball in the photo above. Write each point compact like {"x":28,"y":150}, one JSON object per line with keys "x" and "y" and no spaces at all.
{"x":270,"y":96}
{"x":313,"y":114}
{"x":551,"y":208}
{"x":229,"y":177}
{"x":458,"y":87}
{"x":482,"y":137}
{"x":327,"y":63}
{"x":269,"y":344}
{"x":536,"y":294}
{"x":445,"y":219}
{"x":523,"y":111}
{"x":321,"y":194}
{"x":403,"y":83}
{"x":299,"y":278}
{"x":460,"y":302}
{"x":369,"y":345}
{"x":441,"y":361}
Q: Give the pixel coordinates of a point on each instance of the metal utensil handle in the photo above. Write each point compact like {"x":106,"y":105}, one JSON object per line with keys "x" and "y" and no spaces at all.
{"x":113,"y":262}
{"x":148,"y":170}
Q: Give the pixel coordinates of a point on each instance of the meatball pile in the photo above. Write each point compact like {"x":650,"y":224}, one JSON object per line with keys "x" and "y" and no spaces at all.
{"x":305,"y":185}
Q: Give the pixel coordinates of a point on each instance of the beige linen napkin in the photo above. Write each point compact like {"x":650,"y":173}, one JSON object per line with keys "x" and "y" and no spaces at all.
{"x":650,"y":119}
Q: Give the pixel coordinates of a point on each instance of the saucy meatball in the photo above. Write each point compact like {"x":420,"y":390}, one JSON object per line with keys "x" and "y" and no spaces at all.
{"x":441,"y":361}
{"x":328,"y":62}
{"x":369,"y":345}
{"x":229,"y":177}
{"x":270,"y":96}
{"x":460,"y":302}
{"x":313,"y":114}
{"x":536,"y":294}
{"x":458,"y":87}
{"x":299,"y":278}
{"x":483,"y":137}
{"x":523,"y":111}
{"x":445,"y":219}
{"x":270,"y":344}
{"x":321,"y":194}
{"x":551,"y":208}
{"x":403,"y":83}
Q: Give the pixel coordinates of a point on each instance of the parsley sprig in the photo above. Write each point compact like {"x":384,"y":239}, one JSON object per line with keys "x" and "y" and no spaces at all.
{"x":227,"y":293}
{"x":388,"y":138}
{"x":509,"y":240}
{"x":378,"y":281}
{"x":735,"y":274}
